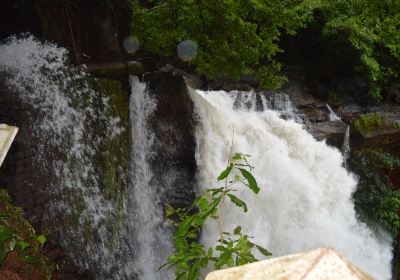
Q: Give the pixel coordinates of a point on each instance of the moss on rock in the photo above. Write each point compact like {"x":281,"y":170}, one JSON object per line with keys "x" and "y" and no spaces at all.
{"x":113,"y":158}
{"x":21,"y":255}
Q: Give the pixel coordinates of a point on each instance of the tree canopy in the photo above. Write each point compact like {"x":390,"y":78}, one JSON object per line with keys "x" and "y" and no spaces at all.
{"x":242,"y":37}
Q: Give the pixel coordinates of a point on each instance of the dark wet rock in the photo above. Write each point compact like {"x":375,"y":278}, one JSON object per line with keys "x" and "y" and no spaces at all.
{"x":299,"y":95}
{"x":332,"y":131}
{"x":393,"y":93}
{"x":244,"y":84}
{"x":315,"y":115}
{"x":305,"y":104}
{"x":173,"y":126}
{"x":350,"y":112}
{"x":395,"y":177}
{"x":341,"y":89}
{"x":384,"y":136}
{"x":114,"y":70}
{"x":192,"y":80}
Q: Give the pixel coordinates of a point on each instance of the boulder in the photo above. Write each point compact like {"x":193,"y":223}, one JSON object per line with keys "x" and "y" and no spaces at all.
{"x":332,"y":131}
{"x":172,"y":123}
{"x":192,"y":80}
{"x":384,"y":135}
{"x":322,"y":263}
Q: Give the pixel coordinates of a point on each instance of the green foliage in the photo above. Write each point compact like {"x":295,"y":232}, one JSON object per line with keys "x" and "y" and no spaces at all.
{"x":376,"y":201}
{"x":242,"y":37}
{"x":368,"y":122}
{"x":372,"y":28}
{"x":233,"y":249}
{"x":17,"y":236}
{"x":234,"y":37}
{"x":389,"y":212}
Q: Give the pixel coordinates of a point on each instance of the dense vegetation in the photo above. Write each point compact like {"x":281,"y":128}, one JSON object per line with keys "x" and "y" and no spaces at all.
{"x":376,"y":199}
{"x":237,"y":38}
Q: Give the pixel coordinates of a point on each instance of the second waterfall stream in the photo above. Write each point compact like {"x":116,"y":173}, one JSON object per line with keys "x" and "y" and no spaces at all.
{"x":305,"y":200}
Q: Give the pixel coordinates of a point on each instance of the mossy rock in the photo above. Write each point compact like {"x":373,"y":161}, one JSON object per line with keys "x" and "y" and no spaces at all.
{"x":378,"y":130}
{"x":21,"y":255}
{"x":113,"y":159}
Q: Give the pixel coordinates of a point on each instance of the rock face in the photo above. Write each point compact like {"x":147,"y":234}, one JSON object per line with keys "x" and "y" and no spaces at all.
{"x":25,"y":181}
{"x":173,"y":124}
{"x":323,"y":263}
{"x":332,"y":131}
{"x":317,"y":113}
{"x":378,"y":130}
{"x":30,"y":184}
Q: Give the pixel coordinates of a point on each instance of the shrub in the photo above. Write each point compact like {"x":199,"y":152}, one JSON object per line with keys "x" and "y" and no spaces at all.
{"x":368,"y":122}
{"x":233,"y":249}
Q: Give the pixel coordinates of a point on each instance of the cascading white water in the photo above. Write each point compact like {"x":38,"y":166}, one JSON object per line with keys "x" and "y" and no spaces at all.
{"x":150,"y":234}
{"x":305,"y":200}
{"x":332,"y":114}
{"x":68,"y":110}
{"x":346,"y":139}
{"x":346,"y":146}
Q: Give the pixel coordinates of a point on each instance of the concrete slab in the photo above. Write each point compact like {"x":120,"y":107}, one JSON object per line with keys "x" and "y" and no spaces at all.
{"x":322,"y":263}
{"x":7,"y":135}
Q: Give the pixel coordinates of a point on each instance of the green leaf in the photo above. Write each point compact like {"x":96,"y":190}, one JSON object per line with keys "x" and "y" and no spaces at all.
{"x":212,"y":207}
{"x":226,"y":172}
{"x":252,"y":183}
{"x":237,"y":230}
{"x":263,"y":251}
{"x":181,"y":276}
{"x":23,"y":245}
{"x":238,"y":202}
{"x":194,"y":271}
{"x":202,"y":203}
{"x":210,"y":252}
{"x":42,"y":239}
{"x":204,"y":263}
{"x":184,"y":227}
{"x":237,"y":156}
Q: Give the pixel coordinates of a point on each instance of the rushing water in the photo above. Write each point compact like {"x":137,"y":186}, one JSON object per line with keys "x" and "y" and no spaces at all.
{"x":152,"y":238}
{"x":332,"y":114}
{"x":305,"y":199}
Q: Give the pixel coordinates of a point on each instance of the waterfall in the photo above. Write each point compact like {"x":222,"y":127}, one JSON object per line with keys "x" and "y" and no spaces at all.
{"x":346,"y":146}
{"x":305,"y":199}
{"x":150,"y":234}
{"x":332,"y":114}
{"x":69,"y":117}
{"x":346,"y":139}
